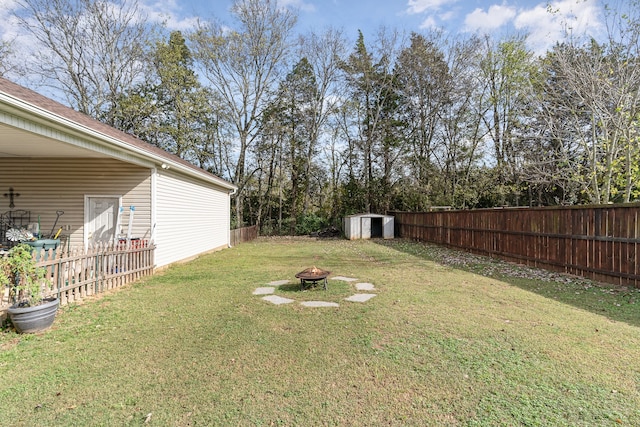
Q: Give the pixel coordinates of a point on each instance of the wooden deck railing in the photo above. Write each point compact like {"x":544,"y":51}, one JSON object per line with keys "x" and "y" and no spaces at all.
{"x":82,"y":273}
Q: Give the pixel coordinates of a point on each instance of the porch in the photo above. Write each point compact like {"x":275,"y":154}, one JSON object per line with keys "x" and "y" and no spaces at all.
{"x":55,"y":159}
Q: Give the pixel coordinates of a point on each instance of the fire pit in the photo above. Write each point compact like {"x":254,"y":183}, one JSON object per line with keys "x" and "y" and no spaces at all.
{"x":311,"y":277}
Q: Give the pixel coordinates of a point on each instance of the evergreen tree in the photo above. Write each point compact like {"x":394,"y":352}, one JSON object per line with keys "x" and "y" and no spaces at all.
{"x":172,"y":110}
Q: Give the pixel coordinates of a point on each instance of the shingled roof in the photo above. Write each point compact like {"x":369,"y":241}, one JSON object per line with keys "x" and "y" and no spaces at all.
{"x":66,"y":114}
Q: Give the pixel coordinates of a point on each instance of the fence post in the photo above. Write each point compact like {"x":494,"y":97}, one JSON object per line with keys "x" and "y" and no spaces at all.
{"x":59,"y":276}
{"x":603,"y":243}
{"x":96,"y":288}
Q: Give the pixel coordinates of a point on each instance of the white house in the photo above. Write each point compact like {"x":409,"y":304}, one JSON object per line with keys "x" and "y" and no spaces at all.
{"x":54,"y":159}
{"x":368,"y":225}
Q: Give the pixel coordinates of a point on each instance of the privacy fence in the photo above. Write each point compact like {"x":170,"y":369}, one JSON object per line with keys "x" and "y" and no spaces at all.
{"x":598,"y":242}
{"x":244,"y":234}
{"x":79,"y":273}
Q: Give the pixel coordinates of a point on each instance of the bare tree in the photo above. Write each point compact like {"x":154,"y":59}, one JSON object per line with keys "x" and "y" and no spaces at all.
{"x":292,"y":129}
{"x":5,"y":57}
{"x":506,"y":69}
{"x":425,"y":86}
{"x":323,"y":52}
{"x":592,"y":89}
{"x":244,"y":66}
{"x":462,"y":134}
{"x":92,"y":50}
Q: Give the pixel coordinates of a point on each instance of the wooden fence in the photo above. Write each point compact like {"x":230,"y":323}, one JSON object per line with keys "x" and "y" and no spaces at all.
{"x":245,"y":234}
{"x":598,"y":242}
{"x":79,"y":273}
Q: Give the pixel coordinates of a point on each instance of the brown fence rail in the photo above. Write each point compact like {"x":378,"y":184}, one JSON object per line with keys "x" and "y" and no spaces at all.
{"x":244,"y":234}
{"x":82,"y":273}
{"x":598,"y":242}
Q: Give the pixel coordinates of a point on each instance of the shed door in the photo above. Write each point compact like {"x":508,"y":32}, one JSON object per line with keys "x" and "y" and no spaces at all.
{"x":376,"y":227}
{"x":101,"y":214}
{"x":366,"y":228}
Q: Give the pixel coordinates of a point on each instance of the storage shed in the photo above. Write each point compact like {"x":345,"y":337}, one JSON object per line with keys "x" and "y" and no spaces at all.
{"x":368,"y":225}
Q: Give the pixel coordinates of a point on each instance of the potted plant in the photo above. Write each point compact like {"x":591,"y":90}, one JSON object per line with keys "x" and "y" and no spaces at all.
{"x":30,"y":312}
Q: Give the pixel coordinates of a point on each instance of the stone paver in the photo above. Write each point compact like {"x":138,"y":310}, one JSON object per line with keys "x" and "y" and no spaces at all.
{"x":275,"y":299}
{"x":365,"y":286}
{"x":264,"y":291}
{"x":360,"y":297}
{"x":320,"y":304}
{"x":346,"y":279}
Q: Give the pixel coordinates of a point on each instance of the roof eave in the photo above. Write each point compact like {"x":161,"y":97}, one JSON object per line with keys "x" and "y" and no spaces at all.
{"x":28,"y":111}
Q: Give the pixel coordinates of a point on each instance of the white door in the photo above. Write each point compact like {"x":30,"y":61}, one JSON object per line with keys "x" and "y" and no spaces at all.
{"x":366,"y":228}
{"x":101,"y":215}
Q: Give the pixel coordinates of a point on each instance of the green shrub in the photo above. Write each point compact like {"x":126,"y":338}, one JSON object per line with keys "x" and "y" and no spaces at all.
{"x":310,"y":223}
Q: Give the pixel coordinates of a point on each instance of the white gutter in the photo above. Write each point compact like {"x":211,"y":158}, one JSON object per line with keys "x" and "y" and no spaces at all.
{"x":231,"y":193}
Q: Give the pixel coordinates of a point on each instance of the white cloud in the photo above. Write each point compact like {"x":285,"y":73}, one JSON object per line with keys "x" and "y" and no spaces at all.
{"x":419,"y":6}
{"x":495,"y":17}
{"x":297,"y":4}
{"x":429,"y":23}
{"x":171,"y":13}
{"x":9,"y":28}
{"x":22,"y":44}
{"x":449,"y":15}
{"x":7,"y":6}
{"x":547,"y":25}
{"x":176,"y":15}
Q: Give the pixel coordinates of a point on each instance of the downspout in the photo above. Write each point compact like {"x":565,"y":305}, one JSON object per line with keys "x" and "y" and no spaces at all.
{"x":232,"y":192}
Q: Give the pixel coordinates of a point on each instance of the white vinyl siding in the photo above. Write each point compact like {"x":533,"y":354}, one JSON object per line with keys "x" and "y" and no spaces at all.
{"x":47,"y":185}
{"x":56,"y":159}
{"x":191,"y":217}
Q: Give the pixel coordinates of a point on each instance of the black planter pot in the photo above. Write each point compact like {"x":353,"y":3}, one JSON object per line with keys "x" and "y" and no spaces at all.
{"x":28,"y":320}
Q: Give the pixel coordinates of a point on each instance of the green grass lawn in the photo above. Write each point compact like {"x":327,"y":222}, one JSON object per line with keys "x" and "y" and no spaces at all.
{"x":448,"y":340}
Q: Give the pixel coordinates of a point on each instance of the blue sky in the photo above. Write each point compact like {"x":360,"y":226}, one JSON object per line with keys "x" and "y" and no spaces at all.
{"x":532,"y":17}
{"x":500,"y":17}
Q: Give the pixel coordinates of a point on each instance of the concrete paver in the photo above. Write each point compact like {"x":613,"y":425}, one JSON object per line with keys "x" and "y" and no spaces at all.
{"x":346,"y":279}
{"x":275,"y":299}
{"x":264,"y":290}
{"x":360,"y":297}
{"x":365,"y":286}
{"x":319,"y":304}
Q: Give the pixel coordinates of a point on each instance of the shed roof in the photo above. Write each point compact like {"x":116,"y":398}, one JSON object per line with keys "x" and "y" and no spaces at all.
{"x":369,"y":215}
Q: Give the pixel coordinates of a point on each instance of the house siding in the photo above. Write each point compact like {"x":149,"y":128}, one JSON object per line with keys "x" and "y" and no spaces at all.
{"x":191,"y":218}
{"x":54,"y":157}
{"x":47,"y":185}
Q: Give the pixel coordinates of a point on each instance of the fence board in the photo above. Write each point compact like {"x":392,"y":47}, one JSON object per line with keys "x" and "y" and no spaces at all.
{"x":598,"y":242}
{"x":81,"y":273}
{"x":245,"y":234}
